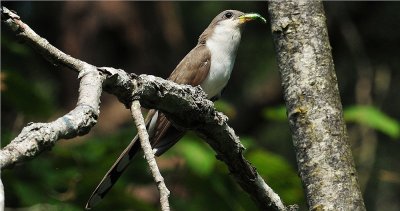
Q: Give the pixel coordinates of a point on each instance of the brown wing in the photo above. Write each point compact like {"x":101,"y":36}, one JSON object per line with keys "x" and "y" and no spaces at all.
{"x":192,"y":70}
{"x":165,"y":135}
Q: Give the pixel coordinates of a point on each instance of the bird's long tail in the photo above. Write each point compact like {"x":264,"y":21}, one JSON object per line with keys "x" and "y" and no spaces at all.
{"x":114,"y":173}
{"x":162,"y":137}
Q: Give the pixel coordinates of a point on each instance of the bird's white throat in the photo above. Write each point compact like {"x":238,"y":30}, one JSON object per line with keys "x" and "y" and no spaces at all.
{"x":223,"y":44}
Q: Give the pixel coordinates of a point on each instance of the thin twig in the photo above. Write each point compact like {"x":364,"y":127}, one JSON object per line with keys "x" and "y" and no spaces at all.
{"x":149,"y":155}
{"x":40,"y":44}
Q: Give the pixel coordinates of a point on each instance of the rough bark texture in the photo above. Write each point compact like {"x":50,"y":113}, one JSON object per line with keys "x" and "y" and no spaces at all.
{"x":315,"y":115}
{"x":185,"y":106}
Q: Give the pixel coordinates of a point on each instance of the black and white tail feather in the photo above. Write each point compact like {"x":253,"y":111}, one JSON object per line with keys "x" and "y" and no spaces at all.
{"x":161,"y":142}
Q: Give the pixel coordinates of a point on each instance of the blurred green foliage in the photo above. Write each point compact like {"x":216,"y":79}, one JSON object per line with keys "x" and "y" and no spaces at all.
{"x":225,"y":107}
{"x":274,"y":169}
{"x":19,"y":91}
{"x":365,"y":115}
{"x":198,"y":157}
{"x":275,"y":113}
{"x":374,"y":118}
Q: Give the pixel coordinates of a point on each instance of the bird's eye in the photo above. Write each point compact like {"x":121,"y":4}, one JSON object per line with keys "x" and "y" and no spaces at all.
{"x":228,"y":15}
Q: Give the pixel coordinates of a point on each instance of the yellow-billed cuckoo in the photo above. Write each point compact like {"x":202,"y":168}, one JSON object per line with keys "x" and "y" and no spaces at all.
{"x":209,"y":65}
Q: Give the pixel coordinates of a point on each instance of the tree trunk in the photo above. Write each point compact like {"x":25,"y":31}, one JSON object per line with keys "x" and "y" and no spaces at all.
{"x":324,"y":158}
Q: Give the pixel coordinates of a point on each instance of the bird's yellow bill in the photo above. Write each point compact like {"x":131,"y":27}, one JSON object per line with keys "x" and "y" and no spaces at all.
{"x":251,"y":16}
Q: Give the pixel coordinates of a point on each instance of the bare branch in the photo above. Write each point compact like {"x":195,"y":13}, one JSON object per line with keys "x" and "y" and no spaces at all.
{"x":149,"y":155}
{"x":184,"y":105}
{"x":37,"y":137}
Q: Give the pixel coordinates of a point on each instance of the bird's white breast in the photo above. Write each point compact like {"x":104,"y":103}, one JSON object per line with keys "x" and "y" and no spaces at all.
{"x":223,"y":44}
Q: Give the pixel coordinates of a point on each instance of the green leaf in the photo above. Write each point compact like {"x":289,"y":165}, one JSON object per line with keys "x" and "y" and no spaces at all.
{"x":275,"y":113}
{"x":372,"y":117}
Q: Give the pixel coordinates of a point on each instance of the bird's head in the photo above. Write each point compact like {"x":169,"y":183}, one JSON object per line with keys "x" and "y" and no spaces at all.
{"x":228,"y":26}
{"x":235,"y":18}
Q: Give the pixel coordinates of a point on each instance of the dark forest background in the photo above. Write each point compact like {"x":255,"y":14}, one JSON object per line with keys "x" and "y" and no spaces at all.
{"x":151,"y":38}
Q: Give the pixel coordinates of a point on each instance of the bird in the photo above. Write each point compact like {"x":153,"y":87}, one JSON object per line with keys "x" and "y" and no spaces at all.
{"x":209,"y":64}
